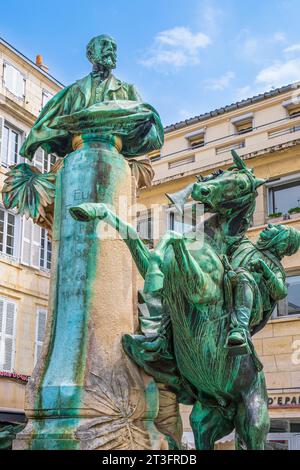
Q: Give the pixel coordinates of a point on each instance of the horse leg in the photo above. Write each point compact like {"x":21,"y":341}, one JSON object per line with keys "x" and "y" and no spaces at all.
{"x":91,"y":211}
{"x":208,"y":425}
{"x":252,"y":418}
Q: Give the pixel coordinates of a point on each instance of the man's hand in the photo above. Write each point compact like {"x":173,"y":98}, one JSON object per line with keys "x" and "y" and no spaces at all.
{"x":259,"y":266}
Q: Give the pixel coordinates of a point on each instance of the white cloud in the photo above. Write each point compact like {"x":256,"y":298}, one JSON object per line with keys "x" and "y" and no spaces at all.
{"x":292,"y":48}
{"x":278,"y":37}
{"x":210,"y":17}
{"x":279,"y":74}
{"x":222,"y":82}
{"x":176,"y":47}
{"x":258,"y":48}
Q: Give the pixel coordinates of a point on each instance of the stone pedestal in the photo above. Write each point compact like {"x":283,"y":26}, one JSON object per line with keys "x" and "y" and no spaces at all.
{"x":85,"y":393}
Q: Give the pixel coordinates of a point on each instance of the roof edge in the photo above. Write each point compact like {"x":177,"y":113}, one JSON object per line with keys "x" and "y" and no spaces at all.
{"x":30,"y":62}
{"x":231,"y":107}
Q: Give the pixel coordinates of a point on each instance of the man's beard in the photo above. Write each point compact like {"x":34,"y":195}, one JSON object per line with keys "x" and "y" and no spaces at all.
{"x":105,"y":61}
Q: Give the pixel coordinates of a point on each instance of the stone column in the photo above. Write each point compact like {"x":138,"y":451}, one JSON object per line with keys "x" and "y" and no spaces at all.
{"x":85,"y":393}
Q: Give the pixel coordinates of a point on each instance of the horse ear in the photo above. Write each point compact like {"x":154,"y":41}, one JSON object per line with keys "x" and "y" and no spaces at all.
{"x":238,"y":161}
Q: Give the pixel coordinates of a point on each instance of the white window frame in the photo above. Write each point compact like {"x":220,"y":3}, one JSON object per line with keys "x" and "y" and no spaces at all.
{"x":39,"y":342}
{"x":276,"y":183}
{"x":16,"y":237}
{"x":44,"y":263}
{"x":32,"y":243}
{"x":4,"y":335}
{"x":13,"y":88}
{"x":19,"y":134}
{"x":46,"y":96}
{"x":42,"y":160}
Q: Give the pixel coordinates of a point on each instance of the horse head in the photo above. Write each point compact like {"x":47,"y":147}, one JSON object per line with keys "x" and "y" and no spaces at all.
{"x":225,"y":190}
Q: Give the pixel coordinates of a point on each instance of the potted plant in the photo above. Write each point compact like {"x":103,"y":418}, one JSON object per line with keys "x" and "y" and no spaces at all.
{"x":294,"y":212}
{"x":274,"y":217}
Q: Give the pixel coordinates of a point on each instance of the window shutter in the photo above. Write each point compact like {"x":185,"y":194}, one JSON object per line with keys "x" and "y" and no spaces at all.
{"x":40,"y":332}
{"x":8,"y":77}
{"x":26,"y":241}
{"x":9,"y":336}
{"x":39,"y":159}
{"x":1,"y":329}
{"x":35,"y":246}
{"x":20,"y":85}
{"x":23,"y":137}
{"x":1,"y":136}
{"x":42,"y":316}
{"x":31,"y":244}
{"x":14,"y":80}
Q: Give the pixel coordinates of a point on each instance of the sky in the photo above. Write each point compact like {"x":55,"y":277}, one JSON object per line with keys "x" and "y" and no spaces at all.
{"x":186,"y":57}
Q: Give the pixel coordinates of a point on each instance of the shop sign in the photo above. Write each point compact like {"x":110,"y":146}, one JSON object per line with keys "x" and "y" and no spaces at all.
{"x":284,"y":400}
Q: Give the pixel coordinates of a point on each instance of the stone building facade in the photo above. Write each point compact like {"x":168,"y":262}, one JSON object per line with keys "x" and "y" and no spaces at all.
{"x":25,"y":249}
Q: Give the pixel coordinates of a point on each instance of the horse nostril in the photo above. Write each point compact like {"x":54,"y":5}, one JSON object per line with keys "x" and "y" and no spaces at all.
{"x":205,"y":191}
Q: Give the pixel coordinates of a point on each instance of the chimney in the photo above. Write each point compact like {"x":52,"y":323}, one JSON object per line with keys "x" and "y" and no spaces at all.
{"x":39,"y":63}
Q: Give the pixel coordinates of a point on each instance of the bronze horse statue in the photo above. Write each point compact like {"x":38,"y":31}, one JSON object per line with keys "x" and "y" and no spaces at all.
{"x":190,"y":296}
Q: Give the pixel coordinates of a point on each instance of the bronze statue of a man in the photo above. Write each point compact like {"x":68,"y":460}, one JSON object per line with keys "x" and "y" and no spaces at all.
{"x":99,"y":86}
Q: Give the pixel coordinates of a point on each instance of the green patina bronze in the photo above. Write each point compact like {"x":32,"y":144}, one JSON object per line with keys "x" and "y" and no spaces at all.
{"x":87,"y":124}
{"x":204,"y":302}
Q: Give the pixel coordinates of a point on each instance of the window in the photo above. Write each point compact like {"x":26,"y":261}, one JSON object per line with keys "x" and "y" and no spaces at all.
{"x":293,"y":297}
{"x":287,"y":130}
{"x":283,"y":197}
{"x":14,"y":81}
{"x":36,"y":246}
{"x":145,"y":227}
{"x":44,"y":161}
{"x":40,"y":329}
{"x":10,"y":146}
{"x":182,"y":161}
{"x":196,"y":139}
{"x":9,"y":233}
{"x":46,"y":250}
{"x":7,"y":334}
{"x":283,"y":435}
{"x":243,"y":124}
{"x":291,"y":304}
{"x":46,"y":96}
{"x":292,"y":106}
{"x":227,"y":148}
{"x":186,"y":222}
{"x":154,"y":156}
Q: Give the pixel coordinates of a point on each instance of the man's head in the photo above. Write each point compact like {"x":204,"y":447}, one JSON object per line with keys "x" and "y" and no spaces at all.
{"x":101,"y":51}
{"x":281,"y":240}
